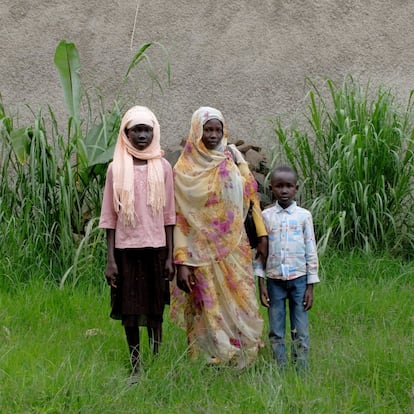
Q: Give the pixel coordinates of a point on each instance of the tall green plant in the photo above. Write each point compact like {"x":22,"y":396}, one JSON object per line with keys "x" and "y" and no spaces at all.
{"x":355,"y":157}
{"x":94,"y":146}
{"x":37,"y":223}
{"x":67,"y":62}
{"x":51,"y":182}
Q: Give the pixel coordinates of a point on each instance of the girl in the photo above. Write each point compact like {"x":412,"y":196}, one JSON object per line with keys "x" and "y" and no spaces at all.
{"x":138,"y":213}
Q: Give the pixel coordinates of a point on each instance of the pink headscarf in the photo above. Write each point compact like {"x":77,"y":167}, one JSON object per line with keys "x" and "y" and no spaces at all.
{"x":123,"y":164}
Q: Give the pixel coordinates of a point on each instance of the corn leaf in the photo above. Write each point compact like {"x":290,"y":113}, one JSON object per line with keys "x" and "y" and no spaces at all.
{"x":67,"y":63}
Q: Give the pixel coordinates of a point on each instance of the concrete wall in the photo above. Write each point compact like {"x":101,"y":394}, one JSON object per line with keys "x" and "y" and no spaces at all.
{"x":249,"y":58}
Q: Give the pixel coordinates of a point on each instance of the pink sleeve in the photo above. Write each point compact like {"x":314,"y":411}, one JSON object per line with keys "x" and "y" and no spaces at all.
{"x":108,"y":217}
{"x":169,"y":210}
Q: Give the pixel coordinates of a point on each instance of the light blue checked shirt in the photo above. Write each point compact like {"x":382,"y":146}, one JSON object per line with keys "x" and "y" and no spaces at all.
{"x":292,"y":245}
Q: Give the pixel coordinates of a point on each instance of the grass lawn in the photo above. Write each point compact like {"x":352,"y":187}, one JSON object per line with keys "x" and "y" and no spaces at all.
{"x":60,"y":353}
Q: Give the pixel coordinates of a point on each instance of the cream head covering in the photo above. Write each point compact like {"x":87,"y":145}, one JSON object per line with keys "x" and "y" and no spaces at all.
{"x":206,"y":159}
{"x":208,"y":189}
{"x":123,"y":166}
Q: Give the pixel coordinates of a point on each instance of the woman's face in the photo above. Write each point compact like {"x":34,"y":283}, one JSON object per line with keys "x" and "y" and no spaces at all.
{"x":140,"y":136}
{"x":212,"y":133}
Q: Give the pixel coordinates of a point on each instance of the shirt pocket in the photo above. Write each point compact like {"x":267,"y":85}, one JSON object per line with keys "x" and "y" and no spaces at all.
{"x":295,"y":233}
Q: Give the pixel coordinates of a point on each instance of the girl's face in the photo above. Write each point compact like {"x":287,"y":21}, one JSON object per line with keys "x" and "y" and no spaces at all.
{"x":284,"y":187}
{"x":140,"y":136}
{"x":212,"y":133}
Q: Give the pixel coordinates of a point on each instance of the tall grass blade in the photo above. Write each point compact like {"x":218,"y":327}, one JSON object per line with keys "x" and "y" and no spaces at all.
{"x":20,"y":142}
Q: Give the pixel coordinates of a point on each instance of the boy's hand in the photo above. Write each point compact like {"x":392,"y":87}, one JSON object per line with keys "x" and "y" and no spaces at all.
{"x":308,"y":298}
{"x":264,"y":297}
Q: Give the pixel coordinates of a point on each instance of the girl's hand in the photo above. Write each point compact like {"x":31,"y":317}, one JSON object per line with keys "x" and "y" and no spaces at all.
{"x":264,"y":296}
{"x":169,"y":270}
{"x":111,"y":274}
{"x":308,"y":298}
{"x":185,"y":278}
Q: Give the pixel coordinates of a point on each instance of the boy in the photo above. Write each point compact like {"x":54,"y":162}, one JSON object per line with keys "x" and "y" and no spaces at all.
{"x":291,"y":269}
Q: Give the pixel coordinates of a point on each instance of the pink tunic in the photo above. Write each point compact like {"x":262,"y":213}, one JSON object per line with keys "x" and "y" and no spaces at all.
{"x":149,"y":229}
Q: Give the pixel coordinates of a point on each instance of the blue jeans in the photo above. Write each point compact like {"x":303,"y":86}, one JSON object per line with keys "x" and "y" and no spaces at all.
{"x":294,"y":291}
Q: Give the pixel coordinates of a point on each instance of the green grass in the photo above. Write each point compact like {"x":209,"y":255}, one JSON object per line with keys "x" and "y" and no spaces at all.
{"x":362,"y":356}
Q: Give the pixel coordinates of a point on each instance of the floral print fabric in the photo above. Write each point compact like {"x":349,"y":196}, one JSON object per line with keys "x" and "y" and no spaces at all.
{"x":221,"y":314}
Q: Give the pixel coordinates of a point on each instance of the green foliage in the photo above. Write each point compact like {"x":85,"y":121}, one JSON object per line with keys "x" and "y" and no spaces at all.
{"x":61,"y":353}
{"x":52,"y":181}
{"x":67,"y":61}
{"x":355,"y":159}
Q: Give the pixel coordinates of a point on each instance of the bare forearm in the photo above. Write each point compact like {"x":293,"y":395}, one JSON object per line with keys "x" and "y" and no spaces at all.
{"x":111,"y":271}
{"x":169,"y":240}
{"x":110,"y":244}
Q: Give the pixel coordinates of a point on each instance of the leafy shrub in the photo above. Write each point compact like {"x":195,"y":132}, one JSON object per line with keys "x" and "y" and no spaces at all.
{"x":355,"y":157}
{"x":51,"y":182}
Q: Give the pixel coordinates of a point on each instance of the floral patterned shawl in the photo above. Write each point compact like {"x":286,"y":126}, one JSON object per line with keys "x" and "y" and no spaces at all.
{"x":221,"y":314}
{"x":211,"y":197}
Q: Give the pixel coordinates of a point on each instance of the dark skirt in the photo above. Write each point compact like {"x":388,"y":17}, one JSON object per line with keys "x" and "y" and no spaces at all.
{"x":142,"y":290}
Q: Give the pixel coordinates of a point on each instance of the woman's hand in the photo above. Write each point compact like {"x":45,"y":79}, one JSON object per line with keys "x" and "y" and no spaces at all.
{"x":185,"y":278}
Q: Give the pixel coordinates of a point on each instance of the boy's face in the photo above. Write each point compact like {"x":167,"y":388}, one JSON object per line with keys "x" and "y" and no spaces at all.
{"x":284,"y":187}
{"x":212,"y":133}
{"x":140,"y":136}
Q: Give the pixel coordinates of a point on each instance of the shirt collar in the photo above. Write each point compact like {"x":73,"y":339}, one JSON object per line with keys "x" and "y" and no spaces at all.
{"x":288,"y":210}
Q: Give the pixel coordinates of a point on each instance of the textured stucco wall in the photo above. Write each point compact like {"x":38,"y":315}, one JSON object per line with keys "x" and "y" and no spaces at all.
{"x":249,"y":58}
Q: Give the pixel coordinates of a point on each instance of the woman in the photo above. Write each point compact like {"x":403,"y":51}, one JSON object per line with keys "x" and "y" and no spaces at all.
{"x":214,"y":298}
